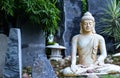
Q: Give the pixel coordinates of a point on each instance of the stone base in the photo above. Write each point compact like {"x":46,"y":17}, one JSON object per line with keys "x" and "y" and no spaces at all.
{"x":94,"y":75}
{"x":88,"y":74}
{"x":57,"y":58}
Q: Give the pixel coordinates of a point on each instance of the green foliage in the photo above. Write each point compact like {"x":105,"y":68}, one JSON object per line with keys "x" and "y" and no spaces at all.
{"x":112,"y":20}
{"x":27,"y":70}
{"x":84,"y":6}
{"x":117,"y":44}
{"x":41,"y":12}
{"x":8,"y":6}
{"x":110,"y":76}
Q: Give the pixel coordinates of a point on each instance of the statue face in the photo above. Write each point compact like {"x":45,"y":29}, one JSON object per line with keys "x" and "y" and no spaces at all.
{"x":87,"y":25}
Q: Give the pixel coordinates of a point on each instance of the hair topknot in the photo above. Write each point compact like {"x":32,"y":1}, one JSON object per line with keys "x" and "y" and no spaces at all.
{"x":88,"y":16}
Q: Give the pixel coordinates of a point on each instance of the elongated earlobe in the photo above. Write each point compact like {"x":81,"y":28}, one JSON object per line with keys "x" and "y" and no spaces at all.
{"x":81,"y":30}
{"x":94,"y":28}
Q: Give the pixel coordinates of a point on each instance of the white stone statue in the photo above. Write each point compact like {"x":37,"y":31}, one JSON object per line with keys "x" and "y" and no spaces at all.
{"x":50,"y":38}
{"x":86,"y":45}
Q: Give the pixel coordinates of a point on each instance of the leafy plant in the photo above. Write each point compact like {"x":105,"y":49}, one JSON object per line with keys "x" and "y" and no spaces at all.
{"x":41,"y":12}
{"x":7,"y":6}
{"x":112,"y":20}
{"x":84,"y":6}
{"x":117,"y":44}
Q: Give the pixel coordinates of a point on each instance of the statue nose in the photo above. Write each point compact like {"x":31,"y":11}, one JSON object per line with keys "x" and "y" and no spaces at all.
{"x":88,"y":25}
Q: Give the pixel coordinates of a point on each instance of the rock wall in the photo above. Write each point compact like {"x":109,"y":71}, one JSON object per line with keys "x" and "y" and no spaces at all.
{"x":33,"y":52}
{"x":72,"y":14}
{"x":33,"y":43}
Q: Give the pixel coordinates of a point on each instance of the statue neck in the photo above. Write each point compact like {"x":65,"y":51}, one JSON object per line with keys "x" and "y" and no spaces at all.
{"x":87,"y":33}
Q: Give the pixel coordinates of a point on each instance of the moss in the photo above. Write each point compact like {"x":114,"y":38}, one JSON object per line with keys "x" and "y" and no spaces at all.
{"x":110,"y":76}
{"x":51,"y":43}
{"x":28,"y":70}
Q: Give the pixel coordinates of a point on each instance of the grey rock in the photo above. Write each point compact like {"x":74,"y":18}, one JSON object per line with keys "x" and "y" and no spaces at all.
{"x":11,"y":69}
{"x":42,"y":68}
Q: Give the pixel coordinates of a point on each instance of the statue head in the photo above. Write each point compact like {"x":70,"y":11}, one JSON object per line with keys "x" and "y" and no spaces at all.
{"x":87,"y":16}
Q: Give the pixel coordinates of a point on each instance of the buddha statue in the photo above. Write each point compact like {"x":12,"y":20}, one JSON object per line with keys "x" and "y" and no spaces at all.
{"x":86,"y":45}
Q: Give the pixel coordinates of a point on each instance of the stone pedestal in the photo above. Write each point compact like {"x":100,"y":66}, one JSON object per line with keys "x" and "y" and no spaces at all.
{"x":55,"y":51}
{"x":116,"y":55}
{"x":55,"y":54}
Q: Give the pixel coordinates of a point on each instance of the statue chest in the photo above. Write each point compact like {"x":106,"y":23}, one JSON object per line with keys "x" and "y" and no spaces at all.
{"x":87,"y":43}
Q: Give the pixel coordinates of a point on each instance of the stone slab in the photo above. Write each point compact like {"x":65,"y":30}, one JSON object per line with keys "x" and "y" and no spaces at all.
{"x":12,"y":62}
{"x":3,"y":49}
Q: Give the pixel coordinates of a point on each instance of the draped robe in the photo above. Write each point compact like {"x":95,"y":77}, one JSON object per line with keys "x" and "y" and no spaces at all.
{"x":87,"y":50}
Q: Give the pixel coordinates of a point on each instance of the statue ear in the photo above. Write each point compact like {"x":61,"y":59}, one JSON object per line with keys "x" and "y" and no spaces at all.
{"x":94,"y":24}
{"x":81,"y":30}
{"x":94,"y":28}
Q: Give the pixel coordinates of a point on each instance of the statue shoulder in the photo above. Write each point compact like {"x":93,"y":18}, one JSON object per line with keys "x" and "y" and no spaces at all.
{"x":75,"y":37}
{"x":100,"y":37}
